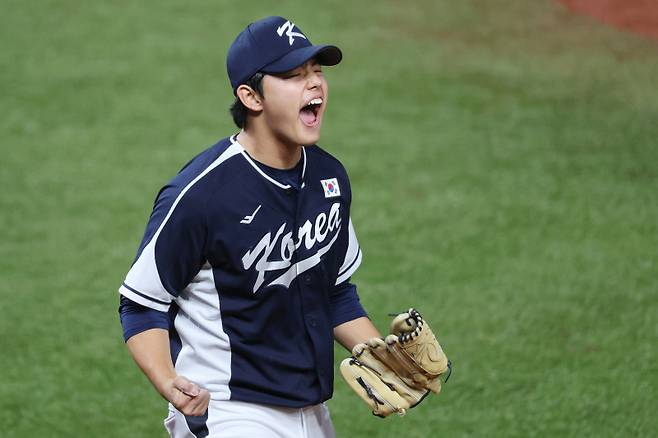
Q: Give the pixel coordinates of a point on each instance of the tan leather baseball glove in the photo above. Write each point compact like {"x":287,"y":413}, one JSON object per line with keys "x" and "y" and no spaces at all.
{"x":398,"y":372}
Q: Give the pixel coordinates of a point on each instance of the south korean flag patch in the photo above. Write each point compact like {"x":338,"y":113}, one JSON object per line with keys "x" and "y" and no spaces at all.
{"x":330,"y":186}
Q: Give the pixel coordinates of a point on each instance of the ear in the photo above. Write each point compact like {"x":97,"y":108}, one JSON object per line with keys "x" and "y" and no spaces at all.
{"x":249,"y":98}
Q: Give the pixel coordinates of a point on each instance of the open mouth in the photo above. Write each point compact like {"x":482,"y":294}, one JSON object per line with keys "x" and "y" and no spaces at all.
{"x":309,"y":112}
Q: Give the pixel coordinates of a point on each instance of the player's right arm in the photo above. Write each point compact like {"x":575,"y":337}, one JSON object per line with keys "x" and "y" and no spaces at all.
{"x":150,"y":350}
{"x":170,"y":255}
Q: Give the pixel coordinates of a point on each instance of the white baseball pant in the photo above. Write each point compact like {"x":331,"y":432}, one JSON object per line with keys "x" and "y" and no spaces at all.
{"x":236,"y":419}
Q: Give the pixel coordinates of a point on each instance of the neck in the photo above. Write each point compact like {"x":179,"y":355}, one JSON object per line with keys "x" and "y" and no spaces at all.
{"x":269,"y":150}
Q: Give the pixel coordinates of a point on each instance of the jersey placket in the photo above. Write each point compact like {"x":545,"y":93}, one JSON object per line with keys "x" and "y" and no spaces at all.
{"x":310,"y":291}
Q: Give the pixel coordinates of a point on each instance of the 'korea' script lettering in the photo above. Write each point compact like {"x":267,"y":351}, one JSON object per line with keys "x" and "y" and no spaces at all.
{"x":310,"y":234}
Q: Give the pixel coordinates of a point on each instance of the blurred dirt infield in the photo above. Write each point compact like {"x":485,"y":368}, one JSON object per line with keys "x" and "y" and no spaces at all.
{"x":639,"y":16}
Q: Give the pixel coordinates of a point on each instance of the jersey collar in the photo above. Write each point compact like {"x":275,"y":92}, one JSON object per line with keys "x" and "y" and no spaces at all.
{"x":250,"y":160}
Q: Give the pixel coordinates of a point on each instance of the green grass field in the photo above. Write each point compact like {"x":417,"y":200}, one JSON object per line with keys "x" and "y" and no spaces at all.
{"x":504,"y":163}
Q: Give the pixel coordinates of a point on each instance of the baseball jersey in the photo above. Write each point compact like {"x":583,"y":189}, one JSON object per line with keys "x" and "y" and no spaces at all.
{"x":253,"y":272}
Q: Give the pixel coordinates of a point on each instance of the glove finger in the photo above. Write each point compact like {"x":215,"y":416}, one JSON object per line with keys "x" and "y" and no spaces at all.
{"x":372,"y":390}
{"x":375,"y":356}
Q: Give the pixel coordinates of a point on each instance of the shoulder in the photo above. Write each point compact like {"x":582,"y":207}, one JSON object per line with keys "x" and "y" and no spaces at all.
{"x":206,"y":161}
{"x":323,"y":159}
{"x":197,"y":179}
{"x":328,"y":170}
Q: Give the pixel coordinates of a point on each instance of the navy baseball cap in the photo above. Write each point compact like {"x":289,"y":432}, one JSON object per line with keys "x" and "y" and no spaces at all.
{"x":273,"y":45}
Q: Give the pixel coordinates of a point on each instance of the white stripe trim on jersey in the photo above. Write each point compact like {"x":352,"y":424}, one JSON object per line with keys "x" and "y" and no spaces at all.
{"x":347,"y":274}
{"x":304,"y":168}
{"x":266,"y":176}
{"x":348,"y":265}
{"x":143,"y":275}
{"x":144,"y":301}
{"x":304,"y":165}
{"x":353,"y":256}
{"x":263,"y":174}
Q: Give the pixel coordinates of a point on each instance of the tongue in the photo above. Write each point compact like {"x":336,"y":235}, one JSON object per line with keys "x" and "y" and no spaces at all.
{"x":307,"y":116}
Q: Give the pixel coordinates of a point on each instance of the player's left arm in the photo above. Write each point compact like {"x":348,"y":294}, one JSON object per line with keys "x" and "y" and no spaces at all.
{"x":356,"y":331}
{"x":350,"y":320}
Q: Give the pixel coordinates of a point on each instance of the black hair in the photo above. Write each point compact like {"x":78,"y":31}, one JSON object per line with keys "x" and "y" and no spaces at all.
{"x":238,"y":110}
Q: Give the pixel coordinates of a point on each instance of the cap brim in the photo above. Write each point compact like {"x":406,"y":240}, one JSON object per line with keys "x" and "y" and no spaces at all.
{"x":324,"y":54}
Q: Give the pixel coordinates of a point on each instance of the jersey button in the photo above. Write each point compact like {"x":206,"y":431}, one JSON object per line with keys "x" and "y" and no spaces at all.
{"x":307,"y":279}
{"x":312,"y":322}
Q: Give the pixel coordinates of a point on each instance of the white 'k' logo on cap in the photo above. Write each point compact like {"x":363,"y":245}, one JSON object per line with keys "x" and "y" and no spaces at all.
{"x":287,"y":27}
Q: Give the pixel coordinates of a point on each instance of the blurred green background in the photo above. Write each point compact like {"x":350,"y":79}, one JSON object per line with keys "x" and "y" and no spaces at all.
{"x":504,"y":164}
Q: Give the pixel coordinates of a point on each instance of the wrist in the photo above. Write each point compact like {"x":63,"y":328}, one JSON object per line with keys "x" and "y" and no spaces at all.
{"x":164,"y":384}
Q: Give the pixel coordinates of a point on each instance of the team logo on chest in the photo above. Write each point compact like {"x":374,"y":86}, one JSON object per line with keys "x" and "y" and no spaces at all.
{"x":310,"y":234}
{"x":331,"y":188}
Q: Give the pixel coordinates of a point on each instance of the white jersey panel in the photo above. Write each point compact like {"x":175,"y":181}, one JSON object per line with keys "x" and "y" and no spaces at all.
{"x":205,"y":356}
{"x":352,"y":257}
{"x":144,"y":277}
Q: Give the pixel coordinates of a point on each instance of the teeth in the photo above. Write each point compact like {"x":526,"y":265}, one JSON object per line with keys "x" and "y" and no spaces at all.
{"x":316,"y":101}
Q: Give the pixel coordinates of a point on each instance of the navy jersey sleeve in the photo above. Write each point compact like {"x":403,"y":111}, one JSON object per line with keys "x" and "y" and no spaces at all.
{"x":172,"y":251}
{"x":136,"y":318}
{"x":345,"y":304}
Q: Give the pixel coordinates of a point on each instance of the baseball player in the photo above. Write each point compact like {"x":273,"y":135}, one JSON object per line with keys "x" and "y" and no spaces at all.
{"x":242,"y":280}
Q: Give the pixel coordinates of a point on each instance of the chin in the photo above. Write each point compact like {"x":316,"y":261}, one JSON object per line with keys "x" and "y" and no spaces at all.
{"x":308,"y":141}
{"x":309,"y":136}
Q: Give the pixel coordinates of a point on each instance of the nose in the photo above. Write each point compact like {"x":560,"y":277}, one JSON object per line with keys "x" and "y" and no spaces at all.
{"x":314,"y":79}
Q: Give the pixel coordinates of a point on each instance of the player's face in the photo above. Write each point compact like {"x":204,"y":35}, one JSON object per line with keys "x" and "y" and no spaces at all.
{"x":294,"y":104}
